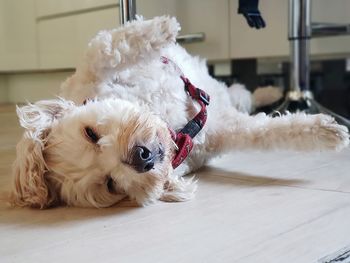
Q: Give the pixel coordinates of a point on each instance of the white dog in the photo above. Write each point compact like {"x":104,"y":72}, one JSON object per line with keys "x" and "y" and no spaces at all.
{"x":113,"y":137}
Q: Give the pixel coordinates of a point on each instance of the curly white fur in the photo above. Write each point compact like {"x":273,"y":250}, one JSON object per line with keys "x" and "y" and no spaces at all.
{"x":132,"y":99}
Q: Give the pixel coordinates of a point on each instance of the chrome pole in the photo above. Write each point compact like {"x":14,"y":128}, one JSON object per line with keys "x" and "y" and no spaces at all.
{"x":299,"y":35}
{"x":127,"y":10}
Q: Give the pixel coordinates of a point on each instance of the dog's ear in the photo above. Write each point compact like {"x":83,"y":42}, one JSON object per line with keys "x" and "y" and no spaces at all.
{"x":29,"y":169}
{"x":179,"y":190}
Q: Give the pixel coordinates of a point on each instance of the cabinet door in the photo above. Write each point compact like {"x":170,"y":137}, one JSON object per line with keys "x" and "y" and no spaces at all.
{"x":331,"y":12}
{"x":270,"y":41}
{"x":208,"y":16}
{"x":63,"y":40}
{"x":46,"y":8}
{"x":18,"y":49}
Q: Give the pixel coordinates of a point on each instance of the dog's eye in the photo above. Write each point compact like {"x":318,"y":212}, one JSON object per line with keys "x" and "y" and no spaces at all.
{"x":91,"y":135}
{"x":110,"y":185}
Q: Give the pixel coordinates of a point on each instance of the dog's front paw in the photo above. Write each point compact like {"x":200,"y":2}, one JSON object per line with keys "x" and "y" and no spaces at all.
{"x":179,"y":190}
{"x":331,"y":134}
{"x":240,"y":97}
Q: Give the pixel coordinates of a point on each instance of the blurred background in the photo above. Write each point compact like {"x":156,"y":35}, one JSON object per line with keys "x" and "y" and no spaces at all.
{"x":42,"y":41}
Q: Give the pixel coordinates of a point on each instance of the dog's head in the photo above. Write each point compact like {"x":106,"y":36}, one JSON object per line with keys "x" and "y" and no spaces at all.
{"x":92,"y":155}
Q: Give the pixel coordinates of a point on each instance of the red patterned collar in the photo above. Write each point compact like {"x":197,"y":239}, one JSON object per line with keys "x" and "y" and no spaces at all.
{"x":183,"y":138}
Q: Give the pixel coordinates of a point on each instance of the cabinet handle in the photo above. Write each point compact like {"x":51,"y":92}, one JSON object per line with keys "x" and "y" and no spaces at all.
{"x":191,"y":38}
{"x":329,"y":29}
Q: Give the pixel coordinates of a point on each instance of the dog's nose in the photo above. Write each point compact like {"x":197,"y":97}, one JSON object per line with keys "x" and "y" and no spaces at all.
{"x":142,"y":159}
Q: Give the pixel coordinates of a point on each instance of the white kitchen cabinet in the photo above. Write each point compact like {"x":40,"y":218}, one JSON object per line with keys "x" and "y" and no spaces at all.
{"x":53,"y":34}
{"x":208,"y":16}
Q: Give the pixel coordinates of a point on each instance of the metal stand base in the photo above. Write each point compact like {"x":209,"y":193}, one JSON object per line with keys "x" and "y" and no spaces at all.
{"x":297,"y":101}
{"x":300,"y":31}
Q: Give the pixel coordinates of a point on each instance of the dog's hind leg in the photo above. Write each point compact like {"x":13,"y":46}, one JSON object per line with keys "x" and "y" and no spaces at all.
{"x":301,"y":132}
{"x":113,"y":51}
{"x":245,"y":101}
{"x":117,"y":49}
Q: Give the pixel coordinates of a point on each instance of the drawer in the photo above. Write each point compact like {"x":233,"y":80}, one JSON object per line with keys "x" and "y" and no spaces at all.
{"x":330,"y":12}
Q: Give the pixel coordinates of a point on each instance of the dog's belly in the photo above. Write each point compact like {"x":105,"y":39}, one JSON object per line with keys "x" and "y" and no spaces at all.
{"x":158,"y":87}
{"x":160,"y":92}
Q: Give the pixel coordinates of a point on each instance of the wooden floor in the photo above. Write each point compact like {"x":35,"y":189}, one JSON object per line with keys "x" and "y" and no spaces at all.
{"x":250,"y":207}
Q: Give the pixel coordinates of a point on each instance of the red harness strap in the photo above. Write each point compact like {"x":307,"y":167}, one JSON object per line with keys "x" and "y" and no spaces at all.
{"x":183,"y":138}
